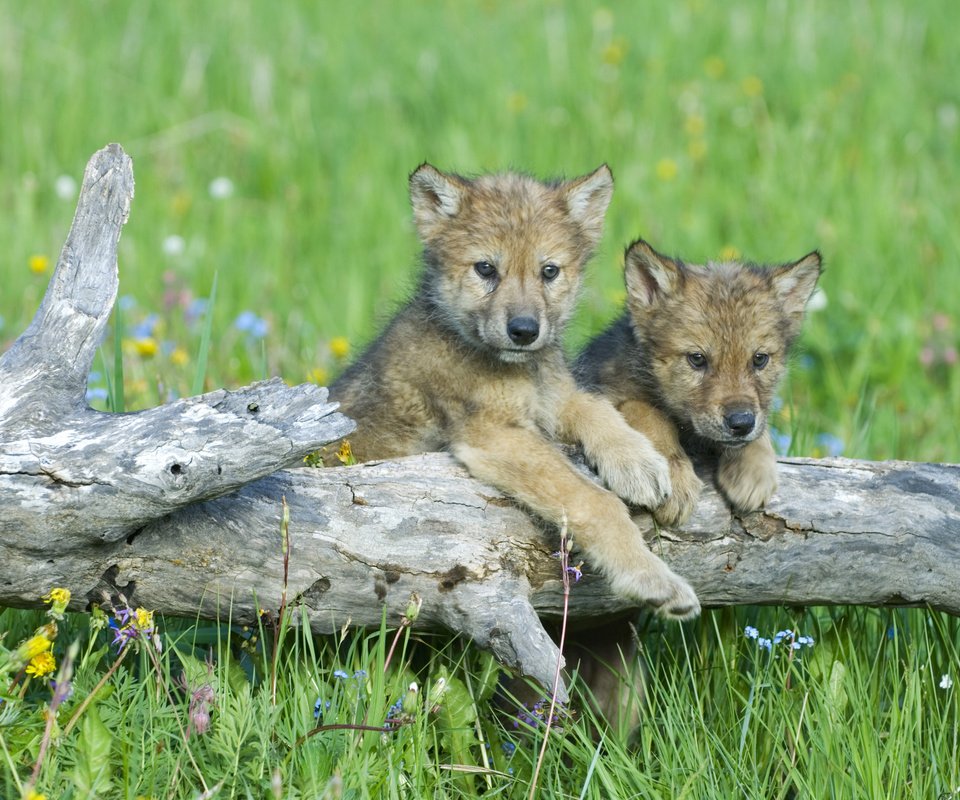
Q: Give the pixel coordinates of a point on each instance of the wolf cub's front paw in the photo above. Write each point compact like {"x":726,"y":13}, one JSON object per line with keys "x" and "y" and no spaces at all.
{"x":748,"y":476}
{"x":685,"y":492}
{"x":635,"y":471}
{"x":656,"y":585}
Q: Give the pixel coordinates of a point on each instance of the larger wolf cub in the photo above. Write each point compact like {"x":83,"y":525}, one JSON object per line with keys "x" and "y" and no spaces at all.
{"x":694,"y":362}
{"x":473,"y":364}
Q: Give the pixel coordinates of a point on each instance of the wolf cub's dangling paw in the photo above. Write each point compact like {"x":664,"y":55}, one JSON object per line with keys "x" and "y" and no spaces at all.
{"x":686,"y":488}
{"x":635,"y":471}
{"x":748,"y":476}
{"x":653,"y":583}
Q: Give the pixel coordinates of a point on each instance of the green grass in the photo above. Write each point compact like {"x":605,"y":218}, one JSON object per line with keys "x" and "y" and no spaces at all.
{"x":769,"y":128}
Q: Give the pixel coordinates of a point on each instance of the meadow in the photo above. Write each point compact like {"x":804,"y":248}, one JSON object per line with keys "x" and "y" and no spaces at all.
{"x":271,"y":147}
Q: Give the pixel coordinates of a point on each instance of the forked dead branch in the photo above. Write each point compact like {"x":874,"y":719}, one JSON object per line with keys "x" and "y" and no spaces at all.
{"x":178,"y":507}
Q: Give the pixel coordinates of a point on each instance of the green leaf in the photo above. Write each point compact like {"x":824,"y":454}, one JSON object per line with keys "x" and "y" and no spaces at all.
{"x":456,"y":717}
{"x":91,"y":775}
{"x":837,"y":693}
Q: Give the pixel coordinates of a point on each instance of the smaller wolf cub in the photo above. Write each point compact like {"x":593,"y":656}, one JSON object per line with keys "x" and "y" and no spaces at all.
{"x":694,"y":363}
{"x":473,"y":364}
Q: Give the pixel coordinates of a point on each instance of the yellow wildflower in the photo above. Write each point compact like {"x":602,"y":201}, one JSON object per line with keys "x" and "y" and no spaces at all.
{"x":517,"y":102}
{"x":318,"y":376}
{"x":729,"y":253}
{"x":135,"y":387}
{"x":614,"y":53}
{"x":146,"y":347}
{"x":179,"y":357}
{"x":697,"y":149}
{"x":752,"y":86}
{"x":59,"y":599}
{"x":667,"y":169}
{"x":57,"y":596}
{"x":38,"y":263}
{"x":41,"y":664}
{"x":695,"y":125}
{"x":345,"y":454}
{"x":181,"y":203}
{"x":32,"y":795}
{"x":34,"y":646}
{"x":339,"y":346}
{"x":144,"y":619}
{"x":714,"y":67}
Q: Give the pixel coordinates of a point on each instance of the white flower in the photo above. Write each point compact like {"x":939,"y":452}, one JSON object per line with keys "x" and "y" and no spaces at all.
{"x":221,"y":188}
{"x":66,"y":187}
{"x":173,"y":245}
{"x":817,"y":301}
{"x":946,"y":682}
{"x":948,"y":116}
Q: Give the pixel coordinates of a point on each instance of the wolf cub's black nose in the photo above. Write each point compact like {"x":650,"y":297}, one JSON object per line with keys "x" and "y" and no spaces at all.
{"x":740,"y":423}
{"x":523,"y":330}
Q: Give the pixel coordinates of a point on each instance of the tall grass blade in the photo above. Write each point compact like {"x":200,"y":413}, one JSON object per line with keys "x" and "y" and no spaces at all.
{"x":201,"y":373}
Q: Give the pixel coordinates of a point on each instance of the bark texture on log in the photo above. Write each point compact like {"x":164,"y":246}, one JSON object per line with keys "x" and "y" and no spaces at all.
{"x":179,"y":507}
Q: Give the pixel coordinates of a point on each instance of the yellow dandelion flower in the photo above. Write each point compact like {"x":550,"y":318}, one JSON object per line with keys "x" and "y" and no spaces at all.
{"x":146,"y":347}
{"x":752,"y":86}
{"x":41,"y":664}
{"x":59,"y":599}
{"x":181,"y":203}
{"x":34,"y":646}
{"x":345,"y":454}
{"x":614,"y":53}
{"x":714,"y":67}
{"x":135,"y":388}
{"x":697,"y":149}
{"x":729,"y":253}
{"x":339,"y":346}
{"x":517,"y":102}
{"x":143,"y":619}
{"x":179,"y":357}
{"x":695,"y":125}
{"x":666,"y":169}
{"x":38,"y":264}
{"x":318,"y":375}
{"x":32,"y":795}
{"x":57,"y":596}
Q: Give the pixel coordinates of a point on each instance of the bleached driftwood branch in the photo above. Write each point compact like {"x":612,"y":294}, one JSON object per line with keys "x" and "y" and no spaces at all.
{"x":179,"y":507}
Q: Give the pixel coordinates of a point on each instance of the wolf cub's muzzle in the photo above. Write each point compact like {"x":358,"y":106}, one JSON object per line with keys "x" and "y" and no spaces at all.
{"x":523,"y":330}
{"x":739,"y":422}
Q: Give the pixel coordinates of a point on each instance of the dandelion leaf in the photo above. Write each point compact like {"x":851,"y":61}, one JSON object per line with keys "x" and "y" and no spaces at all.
{"x":91,"y":774}
{"x":457,"y":716}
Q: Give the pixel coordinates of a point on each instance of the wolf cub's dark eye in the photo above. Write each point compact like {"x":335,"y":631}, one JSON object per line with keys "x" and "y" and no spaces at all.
{"x":550,"y":271}
{"x":760,"y":360}
{"x":485,"y":269}
{"x":697,"y":360}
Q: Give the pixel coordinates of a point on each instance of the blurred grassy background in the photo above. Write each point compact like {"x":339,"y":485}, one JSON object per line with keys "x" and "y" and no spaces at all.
{"x":765,"y":129}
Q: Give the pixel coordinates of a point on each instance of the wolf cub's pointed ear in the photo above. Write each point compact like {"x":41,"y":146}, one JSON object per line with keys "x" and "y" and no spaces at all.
{"x":587,"y":200}
{"x":794,"y":283}
{"x":650,"y":276}
{"x":435,"y":197}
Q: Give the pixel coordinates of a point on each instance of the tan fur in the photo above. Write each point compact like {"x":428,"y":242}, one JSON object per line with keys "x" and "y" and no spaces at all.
{"x":694,"y":363}
{"x":447,"y":374}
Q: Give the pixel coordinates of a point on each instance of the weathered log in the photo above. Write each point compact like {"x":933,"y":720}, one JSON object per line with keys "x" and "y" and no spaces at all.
{"x":80,"y":475}
{"x":179,"y":507}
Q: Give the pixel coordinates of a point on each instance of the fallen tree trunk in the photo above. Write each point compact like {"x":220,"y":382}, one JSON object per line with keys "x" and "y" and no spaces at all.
{"x":179,"y":507}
